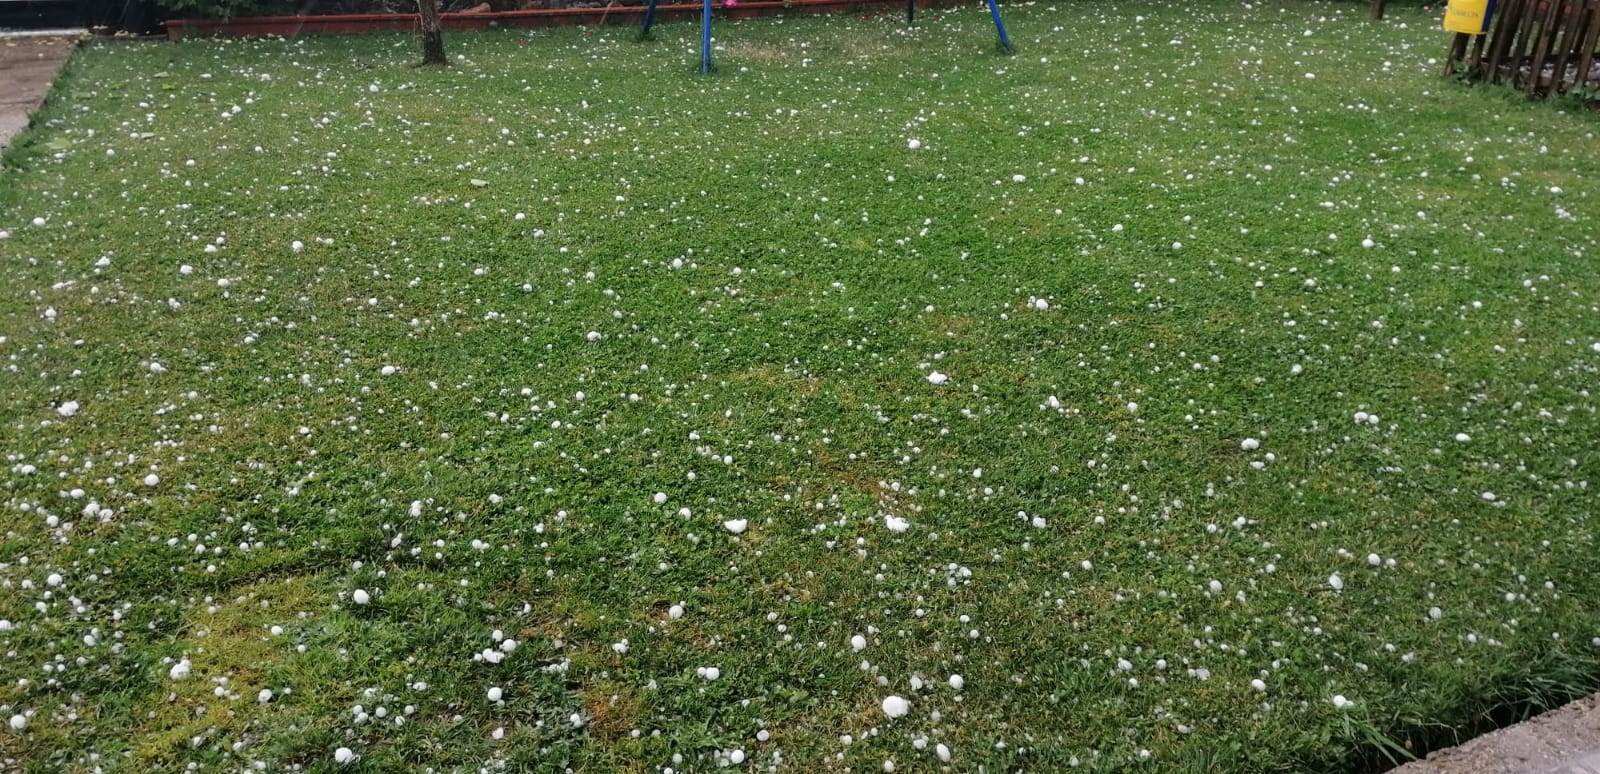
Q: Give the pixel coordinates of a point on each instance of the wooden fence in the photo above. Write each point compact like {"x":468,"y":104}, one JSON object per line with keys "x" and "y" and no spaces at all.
{"x":1543,"y":47}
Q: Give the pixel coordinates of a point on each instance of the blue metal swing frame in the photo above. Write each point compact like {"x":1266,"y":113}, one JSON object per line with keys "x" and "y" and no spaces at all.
{"x":705,"y":26}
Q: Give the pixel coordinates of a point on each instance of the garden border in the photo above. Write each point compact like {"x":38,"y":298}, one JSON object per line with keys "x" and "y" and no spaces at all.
{"x":180,"y":29}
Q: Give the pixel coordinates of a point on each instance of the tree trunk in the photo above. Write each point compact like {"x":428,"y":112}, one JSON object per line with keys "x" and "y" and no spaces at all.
{"x":432,"y":35}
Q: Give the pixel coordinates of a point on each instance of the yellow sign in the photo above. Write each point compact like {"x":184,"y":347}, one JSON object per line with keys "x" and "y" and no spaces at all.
{"x":1468,"y":16}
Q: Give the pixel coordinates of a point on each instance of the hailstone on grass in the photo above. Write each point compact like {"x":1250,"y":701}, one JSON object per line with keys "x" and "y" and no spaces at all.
{"x":736,"y":526}
{"x":895,"y":523}
{"x":68,"y":409}
{"x":297,"y":246}
{"x":361,"y":596}
{"x":495,"y":694}
{"x":937,"y":378}
{"x":896,"y":707}
{"x":858,"y":643}
{"x":343,"y":756}
{"x":913,"y":144}
{"x":1250,"y":444}
{"x":180,"y":670}
{"x":19,"y":722}
{"x":957,"y":682}
{"x":1336,"y":582}
{"x":152,"y":480}
{"x":388,"y":370}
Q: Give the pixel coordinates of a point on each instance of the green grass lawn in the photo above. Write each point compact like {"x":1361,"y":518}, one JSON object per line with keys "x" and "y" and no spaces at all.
{"x":1210,"y":386}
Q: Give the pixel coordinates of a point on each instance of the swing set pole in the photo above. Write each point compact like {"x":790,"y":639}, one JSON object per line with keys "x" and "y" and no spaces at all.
{"x":705,"y":37}
{"x":1000,"y":27}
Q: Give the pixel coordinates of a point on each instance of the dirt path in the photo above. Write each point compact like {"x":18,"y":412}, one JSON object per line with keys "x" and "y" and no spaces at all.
{"x":28,"y":65}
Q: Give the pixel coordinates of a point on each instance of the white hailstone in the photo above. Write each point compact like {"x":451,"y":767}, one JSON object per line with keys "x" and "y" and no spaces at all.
{"x":186,"y":269}
{"x":343,"y":756}
{"x":37,"y":221}
{"x":1215,"y":586}
{"x":1019,"y":178}
{"x":620,"y":647}
{"x":1177,"y":245}
{"x":388,"y":370}
{"x":1336,"y":582}
{"x":297,"y":246}
{"x":736,"y":526}
{"x":896,"y":707}
{"x":1250,"y":444}
{"x":888,"y":766}
{"x":264,"y":696}
{"x":1041,"y":305}
{"x":4,"y":234}
{"x":957,"y":682}
{"x":508,"y":645}
{"x":276,"y":630}
{"x":895,"y":523}
{"x":660,"y":498}
{"x":1368,"y":243}
{"x":675,"y":612}
{"x":913,"y":143}
{"x":1133,"y":408}
{"x":1435,"y":613}
{"x":1489,"y":496}
{"x":6,"y":625}
{"x":495,"y":694}
{"x":180,"y":670}
{"x":594,"y":335}
{"x":361,"y":596}
{"x":736,"y":757}
{"x":943,"y":752}
{"x":209,"y":249}
{"x":708,"y":673}
{"x":520,"y":216}
{"x":68,"y":409}
{"x":1374,"y":560}
{"x":1463,"y":438}
{"x":1117,"y":229}
{"x":53,"y":579}
{"x":1258,"y":684}
{"x":1053,"y":402}
{"x":937,"y":378}
{"x":157,"y":368}
{"x":152,"y":480}
{"x":1361,"y":417}
{"x":858,"y":643}
{"x":1341,"y":702}
{"x":19,"y":721}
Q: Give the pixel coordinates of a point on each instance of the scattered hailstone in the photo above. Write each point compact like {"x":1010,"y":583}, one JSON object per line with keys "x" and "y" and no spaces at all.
{"x":708,"y":673}
{"x":1019,"y":178}
{"x":361,"y":596}
{"x":68,"y":409}
{"x":1258,"y":684}
{"x":388,"y":370}
{"x":937,"y":378}
{"x":1335,"y":582}
{"x":1374,"y":560}
{"x":180,"y":670}
{"x":913,"y":144}
{"x":1463,"y":438}
{"x":736,"y":526}
{"x":495,"y":694}
{"x":675,"y":612}
{"x":896,"y":523}
{"x":19,"y":722}
{"x":896,"y":707}
{"x":958,"y":682}
{"x":1368,"y":243}
{"x":736,"y":757}
{"x":943,"y":752}
{"x":297,"y":246}
{"x":38,"y":221}
{"x":1250,"y":444}
{"x":265,"y":696}
{"x":1041,"y":305}
{"x":152,"y":480}
{"x":1341,"y":702}
{"x":344,"y":755}
{"x":858,"y":643}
